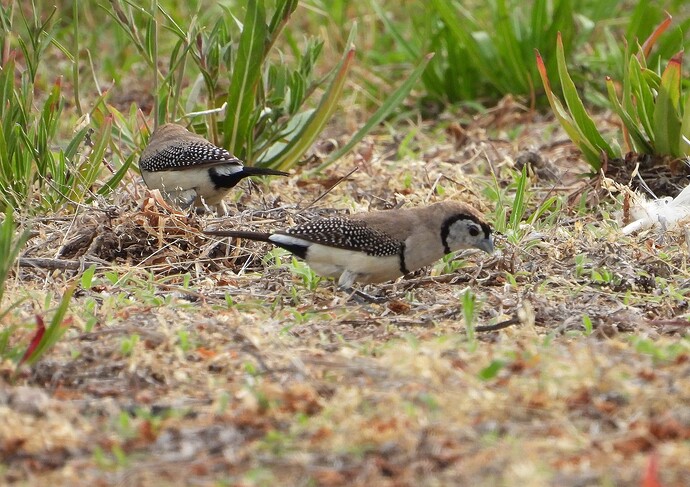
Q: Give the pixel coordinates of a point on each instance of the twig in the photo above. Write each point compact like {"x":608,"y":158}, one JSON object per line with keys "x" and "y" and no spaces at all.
{"x":50,"y":264}
{"x":206,"y":112}
{"x":497,"y":326}
{"x":328,"y":190}
{"x":62,"y":264}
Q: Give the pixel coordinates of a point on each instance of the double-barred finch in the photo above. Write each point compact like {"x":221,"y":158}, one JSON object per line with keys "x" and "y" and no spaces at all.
{"x":382,"y":245}
{"x":189,"y":169}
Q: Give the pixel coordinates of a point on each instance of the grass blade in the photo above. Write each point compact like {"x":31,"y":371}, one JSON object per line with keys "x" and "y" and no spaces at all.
{"x":245,"y":76}
{"x":393,"y":29}
{"x":283,"y":11}
{"x":50,"y":335}
{"x":457,"y":25}
{"x":91,"y":169}
{"x":519,"y":203}
{"x":509,"y":44}
{"x":10,"y":246}
{"x":112,"y":183}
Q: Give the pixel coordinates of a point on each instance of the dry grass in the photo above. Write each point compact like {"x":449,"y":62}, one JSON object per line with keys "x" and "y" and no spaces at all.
{"x":239,"y":374}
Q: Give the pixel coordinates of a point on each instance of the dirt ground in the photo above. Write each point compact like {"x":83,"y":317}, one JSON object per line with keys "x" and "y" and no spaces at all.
{"x":250,"y":372}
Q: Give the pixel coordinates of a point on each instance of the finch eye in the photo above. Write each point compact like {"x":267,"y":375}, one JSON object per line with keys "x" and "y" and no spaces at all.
{"x":474,"y":231}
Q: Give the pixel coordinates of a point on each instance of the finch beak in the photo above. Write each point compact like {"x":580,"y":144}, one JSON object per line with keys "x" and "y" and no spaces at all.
{"x":487,"y":245}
